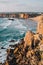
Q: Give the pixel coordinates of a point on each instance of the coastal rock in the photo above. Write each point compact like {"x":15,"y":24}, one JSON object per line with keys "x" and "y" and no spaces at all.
{"x":6,"y":63}
{"x":41,"y":45}
{"x":3,"y":48}
{"x":0,"y":63}
{"x":27,"y":52}
{"x":35,"y":41}
{"x":28,"y":38}
{"x":40,"y":25}
{"x":15,"y":50}
{"x":12,"y":41}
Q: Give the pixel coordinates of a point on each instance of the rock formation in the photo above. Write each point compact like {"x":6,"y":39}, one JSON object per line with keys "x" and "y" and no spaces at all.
{"x":29,"y":51}
{"x":40,"y":26}
{"x":28,"y":38}
{"x":39,"y":20}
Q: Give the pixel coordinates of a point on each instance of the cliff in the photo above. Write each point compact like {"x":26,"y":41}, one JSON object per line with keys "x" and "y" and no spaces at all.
{"x":40,"y":25}
{"x":29,"y":51}
{"x":37,"y":18}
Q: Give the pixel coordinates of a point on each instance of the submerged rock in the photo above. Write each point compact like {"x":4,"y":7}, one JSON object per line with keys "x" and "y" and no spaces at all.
{"x":12,"y":41}
{"x":3,"y":48}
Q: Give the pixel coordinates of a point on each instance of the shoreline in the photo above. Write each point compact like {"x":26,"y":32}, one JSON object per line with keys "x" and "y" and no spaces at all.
{"x":37,"y":19}
{"x":25,"y":50}
{"x":20,"y":53}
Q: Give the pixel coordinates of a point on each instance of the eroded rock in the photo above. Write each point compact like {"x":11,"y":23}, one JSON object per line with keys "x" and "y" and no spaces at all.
{"x":27,"y":52}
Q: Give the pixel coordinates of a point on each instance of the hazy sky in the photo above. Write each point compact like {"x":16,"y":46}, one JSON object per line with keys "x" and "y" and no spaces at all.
{"x":21,"y":5}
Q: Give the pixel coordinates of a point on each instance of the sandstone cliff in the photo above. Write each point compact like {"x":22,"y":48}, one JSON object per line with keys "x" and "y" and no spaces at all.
{"x":40,"y":25}
{"x":29,"y":51}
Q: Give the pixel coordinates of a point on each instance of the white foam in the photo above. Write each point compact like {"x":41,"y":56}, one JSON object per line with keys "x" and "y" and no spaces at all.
{"x":5,"y":24}
{"x":18,"y":25}
{"x":3,"y":55}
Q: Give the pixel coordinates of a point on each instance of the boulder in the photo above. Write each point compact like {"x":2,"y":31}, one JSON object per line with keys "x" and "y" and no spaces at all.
{"x":12,"y":41}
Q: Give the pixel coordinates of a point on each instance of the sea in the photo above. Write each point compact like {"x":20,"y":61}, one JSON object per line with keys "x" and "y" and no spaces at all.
{"x":13,"y":30}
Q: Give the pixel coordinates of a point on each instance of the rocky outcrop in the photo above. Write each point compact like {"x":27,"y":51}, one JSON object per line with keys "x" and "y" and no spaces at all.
{"x":40,"y":26}
{"x":28,"y":38}
{"x":28,"y":52}
{"x":37,"y":18}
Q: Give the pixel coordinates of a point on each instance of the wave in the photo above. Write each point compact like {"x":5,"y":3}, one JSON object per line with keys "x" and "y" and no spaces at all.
{"x":5,"y":24}
{"x":15,"y":29}
{"x":12,"y":30}
{"x":3,"y":55}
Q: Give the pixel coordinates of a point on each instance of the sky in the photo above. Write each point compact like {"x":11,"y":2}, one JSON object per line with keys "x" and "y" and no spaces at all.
{"x":21,"y":5}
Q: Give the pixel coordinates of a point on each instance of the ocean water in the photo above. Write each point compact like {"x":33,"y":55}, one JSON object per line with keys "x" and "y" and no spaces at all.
{"x":13,"y":30}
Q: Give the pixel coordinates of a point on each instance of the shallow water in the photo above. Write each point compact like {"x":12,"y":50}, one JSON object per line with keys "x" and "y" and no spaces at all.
{"x":10,"y":30}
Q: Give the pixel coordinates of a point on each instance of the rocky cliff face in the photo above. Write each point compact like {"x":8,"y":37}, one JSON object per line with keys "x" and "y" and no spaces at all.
{"x":28,"y":52}
{"x":40,"y":25}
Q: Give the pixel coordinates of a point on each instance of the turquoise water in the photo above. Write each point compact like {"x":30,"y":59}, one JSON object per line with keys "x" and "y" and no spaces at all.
{"x":16,"y":29}
{"x":13,"y":30}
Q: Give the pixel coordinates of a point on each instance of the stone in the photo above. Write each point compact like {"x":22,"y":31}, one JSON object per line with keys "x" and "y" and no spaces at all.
{"x":15,"y":50}
{"x":28,"y":38}
{"x":41,"y":45}
{"x":12,"y":41}
{"x":6,"y":63}
{"x":40,"y":26}
{"x":27,"y":51}
{"x":3,"y":48}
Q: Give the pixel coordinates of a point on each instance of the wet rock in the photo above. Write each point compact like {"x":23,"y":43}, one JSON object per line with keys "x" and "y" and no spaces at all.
{"x":12,"y":46}
{"x":3,"y":48}
{"x":27,"y":51}
{"x":12,"y":41}
{"x":21,"y":41}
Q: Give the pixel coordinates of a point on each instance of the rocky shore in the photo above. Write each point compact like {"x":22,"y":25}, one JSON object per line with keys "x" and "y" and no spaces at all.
{"x":29,"y":51}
